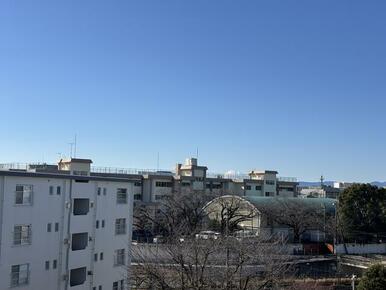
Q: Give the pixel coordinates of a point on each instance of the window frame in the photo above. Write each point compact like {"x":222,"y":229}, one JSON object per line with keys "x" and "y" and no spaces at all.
{"x":24,"y":240}
{"x":26,"y":197}
{"x":16,"y":280}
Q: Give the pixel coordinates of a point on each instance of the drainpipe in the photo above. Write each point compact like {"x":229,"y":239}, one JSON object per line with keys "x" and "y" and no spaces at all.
{"x":68,"y":236}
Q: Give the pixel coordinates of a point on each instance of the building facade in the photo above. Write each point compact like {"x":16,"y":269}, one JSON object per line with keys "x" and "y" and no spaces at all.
{"x":191,"y":177}
{"x":63,"y":227}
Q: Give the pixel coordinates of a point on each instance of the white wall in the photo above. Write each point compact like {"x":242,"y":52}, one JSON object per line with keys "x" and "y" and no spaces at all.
{"x":46,"y":246}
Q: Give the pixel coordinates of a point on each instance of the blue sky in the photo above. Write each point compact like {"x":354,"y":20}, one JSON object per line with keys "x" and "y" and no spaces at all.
{"x":296,"y":86}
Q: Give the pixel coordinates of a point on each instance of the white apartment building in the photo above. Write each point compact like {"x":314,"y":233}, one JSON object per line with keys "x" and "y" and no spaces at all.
{"x":63,"y":227}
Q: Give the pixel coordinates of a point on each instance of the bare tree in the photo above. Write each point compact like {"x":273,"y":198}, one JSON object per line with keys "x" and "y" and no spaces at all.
{"x":224,"y":262}
{"x":205,"y":264}
{"x":178,"y":214}
{"x":227,"y":213}
{"x":295,"y":215}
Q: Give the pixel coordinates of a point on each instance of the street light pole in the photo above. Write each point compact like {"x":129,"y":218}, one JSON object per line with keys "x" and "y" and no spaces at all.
{"x":353,"y":277}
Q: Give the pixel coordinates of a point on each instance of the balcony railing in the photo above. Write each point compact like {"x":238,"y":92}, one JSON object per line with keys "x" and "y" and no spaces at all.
{"x":22,"y":237}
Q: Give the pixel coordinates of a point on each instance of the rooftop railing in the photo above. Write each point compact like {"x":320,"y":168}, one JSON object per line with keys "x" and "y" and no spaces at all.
{"x":287,"y":179}
{"x":22,"y":166}
{"x":115,"y":170}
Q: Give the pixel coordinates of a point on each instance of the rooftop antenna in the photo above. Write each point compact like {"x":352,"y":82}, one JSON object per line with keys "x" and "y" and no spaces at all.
{"x":197,"y":153}
{"x":71,"y":144}
{"x":157,"y":161}
{"x":75,"y":146}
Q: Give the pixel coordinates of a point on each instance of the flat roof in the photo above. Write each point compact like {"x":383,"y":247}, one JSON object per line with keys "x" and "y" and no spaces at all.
{"x":23,"y":173}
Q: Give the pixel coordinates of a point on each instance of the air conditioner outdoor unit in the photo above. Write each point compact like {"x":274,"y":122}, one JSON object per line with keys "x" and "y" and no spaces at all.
{"x":66,"y":241}
{"x":89,"y":273}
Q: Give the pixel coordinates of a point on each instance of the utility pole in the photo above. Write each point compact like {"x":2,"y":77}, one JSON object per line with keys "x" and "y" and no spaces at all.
{"x":227,"y":248}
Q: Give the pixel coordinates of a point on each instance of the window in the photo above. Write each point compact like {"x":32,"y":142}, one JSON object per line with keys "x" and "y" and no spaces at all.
{"x":217,"y":186}
{"x":95,"y":257}
{"x":22,"y":235}
{"x":47,"y":265}
{"x":269,"y":193}
{"x":97,"y":224}
{"x":51,"y":190}
{"x":137,"y":196}
{"x":24,"y":194}
{"x":199,"y":179}
{"x":78,"y":276}
{"x":185,"y":184}
{"x":100,"y":287}
{"x":81,"y":206}
{"x":104,"y":191}
{"x":163,"y":184}
{"x":248,"y":187}
{"x":101,"y":256}
{"x":79,"y":241}
{"x":270,"y":182}
{"x":118,"y":285}
{"x":56,"y":227}
{"x":81,"y":180}
{"x":103,"y":223}
{"x":19,"y":275}
{"x":122,"y":195}
{"x":120,"y":226}
{"x":49,"y":227}
{"x":208,"y":186}
{"x":119,"y":257}
{"x":94,"y":288}
{"x":138,"y":183}
{"x":58,"y":190}
{"x":54,"y":264}
{"x":258,"y":187}
{"x":286,"y":189}
{"x":99,"y":191}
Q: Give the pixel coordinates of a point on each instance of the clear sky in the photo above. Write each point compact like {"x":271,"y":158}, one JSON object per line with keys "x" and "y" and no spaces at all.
{"x":296,"y":86}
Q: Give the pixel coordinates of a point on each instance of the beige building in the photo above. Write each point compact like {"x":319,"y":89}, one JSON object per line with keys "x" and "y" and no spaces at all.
{"x":191,"y":177}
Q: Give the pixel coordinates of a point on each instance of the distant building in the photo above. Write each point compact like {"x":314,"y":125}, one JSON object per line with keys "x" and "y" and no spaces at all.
{"x":64,"y":227}
{"x":342,"y":185}
{"x":320,"y":192}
